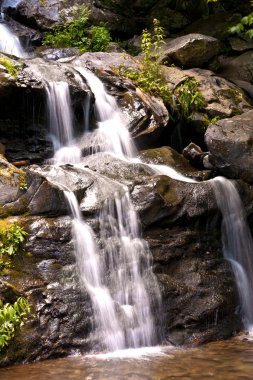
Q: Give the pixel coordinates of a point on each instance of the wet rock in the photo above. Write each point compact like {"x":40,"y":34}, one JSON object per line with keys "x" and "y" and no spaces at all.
{"x":55,"y":54}
{"x":146,"y":115}
{"x":196,"y":283}
{"x":169,"y":157}
{"x":230,"y":144}
{"x":197,"y":157}
{"x":10,"y":182}
{"x":47,"y":278}
{"x":192,"y":50}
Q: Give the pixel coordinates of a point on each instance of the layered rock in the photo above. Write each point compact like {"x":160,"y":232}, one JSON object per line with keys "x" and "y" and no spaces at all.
{"x":191,"y":50}
{"x":230,"y":144}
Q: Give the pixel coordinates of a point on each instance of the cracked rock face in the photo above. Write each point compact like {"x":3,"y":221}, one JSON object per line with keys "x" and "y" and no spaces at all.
{"x":230,"y":144}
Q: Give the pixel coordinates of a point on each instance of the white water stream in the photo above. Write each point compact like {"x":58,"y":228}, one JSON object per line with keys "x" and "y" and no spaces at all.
{"x":9,"y":43}
{"x":237,"y":243}
{"x":120,"y":281}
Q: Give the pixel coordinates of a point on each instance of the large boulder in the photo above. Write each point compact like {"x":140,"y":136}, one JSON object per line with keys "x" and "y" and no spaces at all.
{"x":238,"y":68}
{"x":191,"y":50}
{"x":179,"y":220}
{"x":215,"y":25}
{"x":43,"y":15}
{"x":230,"y":144}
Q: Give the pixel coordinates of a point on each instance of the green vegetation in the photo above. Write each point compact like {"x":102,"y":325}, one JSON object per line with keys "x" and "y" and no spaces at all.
{"x":189,"y":97}
{"x":151,"y":78}
{"x":12,"y":238}
{"x":12,"y":317}
{"x":9,"y":65}
{"x":78,"y":33}
{"x":244,"y":26}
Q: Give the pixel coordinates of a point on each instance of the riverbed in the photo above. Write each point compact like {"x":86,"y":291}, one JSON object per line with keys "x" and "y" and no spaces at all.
{"x":226,"y":360}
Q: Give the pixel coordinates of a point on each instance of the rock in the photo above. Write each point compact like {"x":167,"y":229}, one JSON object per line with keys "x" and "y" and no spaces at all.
{"x":181,"y":223}
{"x":214,"y":25}
{"x":170,"y":157}
{"x":146,"y":115}
{"x":55,"y":54}
{"x":196,"y":283}
{"x":47,"y":278}
{"x":191,"y":50}
{"x":222,"y":98}
{"x":239,"y":44}
{"x":238,"y":68}
{"x":230,"y":144}
{"x":45,"y":15}
{"x":11,"y":179}
{"x":196,"y":157}
{"x":171,"y":19}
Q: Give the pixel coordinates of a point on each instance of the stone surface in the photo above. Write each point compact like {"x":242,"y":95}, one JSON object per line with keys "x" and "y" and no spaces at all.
{"x":238,"y":68}
{"x":230,"y":144}
{"x":215,"y":25}
{"x":179,"y":220}
{"x":191,"y":50}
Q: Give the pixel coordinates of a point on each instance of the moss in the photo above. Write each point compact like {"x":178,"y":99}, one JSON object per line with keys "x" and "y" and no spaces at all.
{"x":10,"y":66}
{"x":165,"y":189}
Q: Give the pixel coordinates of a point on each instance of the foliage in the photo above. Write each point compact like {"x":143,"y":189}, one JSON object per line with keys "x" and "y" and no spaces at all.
{"x":150,"y":78}
{"x":9,"y":65}
{"x":78,"y":33}
{"x":12,"y":317}
{"x":244,"y":26}
{"x":11,"y":243}
{"x":189,"y":97}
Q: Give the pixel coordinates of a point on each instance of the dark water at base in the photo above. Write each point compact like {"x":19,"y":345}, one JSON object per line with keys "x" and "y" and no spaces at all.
{"x":226,"y":360}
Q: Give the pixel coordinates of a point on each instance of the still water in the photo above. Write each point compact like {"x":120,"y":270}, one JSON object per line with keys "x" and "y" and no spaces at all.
{"x":226,"y":360}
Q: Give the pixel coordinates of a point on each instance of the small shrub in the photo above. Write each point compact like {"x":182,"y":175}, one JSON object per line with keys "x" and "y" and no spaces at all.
{"x":150,"y":78}
{"x":78,"y":33}
{"x":9,"y":65}
{"x":11,"y":243}
{"x":12,"y":317}
{"x":189,"y":98}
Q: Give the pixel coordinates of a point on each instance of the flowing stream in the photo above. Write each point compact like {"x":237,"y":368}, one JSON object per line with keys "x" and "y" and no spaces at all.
{"x":237,"y":243}
{"x":118,"y":282}
{"x":9,"y":43}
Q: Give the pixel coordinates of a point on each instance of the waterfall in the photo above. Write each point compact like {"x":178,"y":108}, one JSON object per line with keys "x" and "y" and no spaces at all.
{"x":9,"y":43}
{"x":112,"y":134}
{"x":121,"y":280}
{"x":237,"y":243}
{"x":61,"y":123}
{"x":125,"y":251}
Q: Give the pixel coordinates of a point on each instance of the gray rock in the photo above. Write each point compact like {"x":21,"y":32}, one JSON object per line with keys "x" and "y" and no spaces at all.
{"x":222,"y":98}
{"x":191,"y":50}
{"x":238,"y":68}
{"x":215,"y":25}
{"x":230,"y":144}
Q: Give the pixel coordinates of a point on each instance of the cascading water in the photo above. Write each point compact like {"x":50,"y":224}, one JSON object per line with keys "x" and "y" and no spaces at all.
{"x":112,"y":134}
{"x":9,"y":43}
{"x":237,"y":243}
{"x":118,"y":282}
{"x":61,"y":123}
